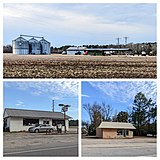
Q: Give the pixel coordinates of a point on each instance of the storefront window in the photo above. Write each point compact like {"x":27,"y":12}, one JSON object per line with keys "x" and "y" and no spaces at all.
{"x":30,"y":122}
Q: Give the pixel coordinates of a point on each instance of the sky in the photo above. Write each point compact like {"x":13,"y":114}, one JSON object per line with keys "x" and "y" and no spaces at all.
{"x":39,"y":95}
{"x":83,"y":23}
{"x":118,"y":94}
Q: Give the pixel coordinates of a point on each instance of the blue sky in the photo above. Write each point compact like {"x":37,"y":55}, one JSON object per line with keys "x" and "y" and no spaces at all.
{"x":84,"y":23}
{"x":39,"y":95}
{"x":118,"y":94}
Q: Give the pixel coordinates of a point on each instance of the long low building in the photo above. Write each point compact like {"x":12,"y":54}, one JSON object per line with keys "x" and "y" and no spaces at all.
{"x":95,"y":51}
{"x":22,"y":120}
{"x":115,"y":130}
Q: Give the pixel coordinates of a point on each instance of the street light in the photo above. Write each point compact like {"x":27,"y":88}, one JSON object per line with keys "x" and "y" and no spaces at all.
{"x":64,"y":109}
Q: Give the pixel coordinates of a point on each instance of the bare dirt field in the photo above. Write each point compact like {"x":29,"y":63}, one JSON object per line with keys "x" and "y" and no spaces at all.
{"x":68,"y":66}
{"x":139,"y":146}
{"x":27,"y":144}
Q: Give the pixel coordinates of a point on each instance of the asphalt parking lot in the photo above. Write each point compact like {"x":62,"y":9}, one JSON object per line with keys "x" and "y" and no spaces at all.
{"x":40,"y":144}
{"x":139,"y":146}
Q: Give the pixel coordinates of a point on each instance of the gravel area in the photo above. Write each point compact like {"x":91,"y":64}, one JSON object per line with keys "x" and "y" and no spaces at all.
{"x":71,"y":66}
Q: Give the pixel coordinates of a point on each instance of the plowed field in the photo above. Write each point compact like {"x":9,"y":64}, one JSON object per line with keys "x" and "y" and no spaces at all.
{"x":67,"y":66}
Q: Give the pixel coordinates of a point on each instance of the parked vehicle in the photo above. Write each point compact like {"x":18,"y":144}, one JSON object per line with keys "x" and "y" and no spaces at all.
{"x":41,"y":128}
{"x":78,"y":53}
{"x":143,"y":53}
{"x":64,"y":53}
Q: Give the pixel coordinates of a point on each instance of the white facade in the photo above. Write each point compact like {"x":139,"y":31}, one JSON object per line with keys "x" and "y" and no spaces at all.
{"x":73,"y":50}
{"x":15,"y":124}
{"x":22,"y":120}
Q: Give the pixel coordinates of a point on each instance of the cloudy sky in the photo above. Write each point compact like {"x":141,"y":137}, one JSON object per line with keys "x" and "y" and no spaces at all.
{"x":78,"y":24}
{"x":119,"y":94}
{"x":39,"y":95}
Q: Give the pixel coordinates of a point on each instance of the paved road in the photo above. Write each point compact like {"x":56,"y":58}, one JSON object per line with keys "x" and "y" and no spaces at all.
{"x":60,"y":151}
{"x":27,"y":144}
{"x":119,"y":147}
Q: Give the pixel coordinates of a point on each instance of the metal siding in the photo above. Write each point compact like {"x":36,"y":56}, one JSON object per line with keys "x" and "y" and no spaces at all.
{"x":71,"y":52}
{"x":45,"y":46}
{"x":35,"y":47}
{"x":20,"y":46}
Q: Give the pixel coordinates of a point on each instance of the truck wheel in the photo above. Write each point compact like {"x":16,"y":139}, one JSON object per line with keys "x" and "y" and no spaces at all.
{"x":51,"y":130}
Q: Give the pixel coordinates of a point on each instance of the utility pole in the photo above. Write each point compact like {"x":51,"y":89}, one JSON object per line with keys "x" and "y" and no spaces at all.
{"x":118,"y":40}
{"x":125,"y":40}
{"x":52,"y":105}
{"x":64,"y":109}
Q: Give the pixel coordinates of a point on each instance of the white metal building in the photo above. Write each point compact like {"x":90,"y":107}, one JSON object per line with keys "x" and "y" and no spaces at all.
{"x":73,"y":50}
{"x":21,"y":119}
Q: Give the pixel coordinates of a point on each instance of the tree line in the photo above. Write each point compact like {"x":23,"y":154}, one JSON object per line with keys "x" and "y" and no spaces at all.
{"x":142,"y":114}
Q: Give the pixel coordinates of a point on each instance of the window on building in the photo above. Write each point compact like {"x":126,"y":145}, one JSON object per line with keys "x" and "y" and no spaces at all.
{"x":122,"y":132}
{"x":127,"y":132}
{"x":45,"y":122}
{"x":119,"y":131}
{"x":30,"y":122}
{"x":55,"y":122}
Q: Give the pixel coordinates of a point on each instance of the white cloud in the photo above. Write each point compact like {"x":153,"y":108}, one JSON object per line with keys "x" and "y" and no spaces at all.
{"x":20,"y":104}
{"x":84,"y":95}
{"x":58,"y":89}
{"x":126,"y":91}
{"x":74,"y":20}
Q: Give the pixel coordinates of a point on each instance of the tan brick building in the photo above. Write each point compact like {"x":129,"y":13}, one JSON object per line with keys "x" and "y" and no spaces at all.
{"x":115,"y":130}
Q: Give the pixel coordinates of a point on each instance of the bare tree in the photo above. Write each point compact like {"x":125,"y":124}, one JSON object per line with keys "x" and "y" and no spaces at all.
{"x":107,"y":111}
{"x":98,"y":113}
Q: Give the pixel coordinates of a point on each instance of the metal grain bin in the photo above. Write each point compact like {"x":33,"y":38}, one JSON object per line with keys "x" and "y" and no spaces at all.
{"x":20,"y":46}
{"x":45,"y":46}
{"x":34,"y":46}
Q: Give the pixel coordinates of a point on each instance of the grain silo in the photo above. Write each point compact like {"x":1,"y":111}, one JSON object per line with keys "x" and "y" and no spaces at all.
{"x":34,"y":46}
{"x":20,"y":46}
{"x":45,"y":46}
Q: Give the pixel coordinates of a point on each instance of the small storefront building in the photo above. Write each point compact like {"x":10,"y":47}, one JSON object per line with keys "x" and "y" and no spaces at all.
{"x":115,"y":130}
{"x":22,"y":119}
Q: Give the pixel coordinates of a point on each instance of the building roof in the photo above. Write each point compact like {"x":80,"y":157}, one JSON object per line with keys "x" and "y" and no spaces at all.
{"x":76,"y":48}
{"x":108,"y":49}
{"x":116,"y":125}
{"x":9,"y":112}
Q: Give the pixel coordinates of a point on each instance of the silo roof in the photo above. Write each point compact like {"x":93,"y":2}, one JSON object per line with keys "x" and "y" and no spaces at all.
{"x":20,"y":38}
{"x":33,"y":40}
{"x":44,"y":40}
